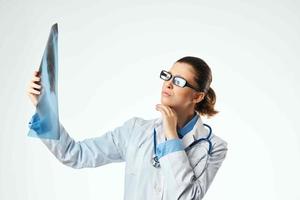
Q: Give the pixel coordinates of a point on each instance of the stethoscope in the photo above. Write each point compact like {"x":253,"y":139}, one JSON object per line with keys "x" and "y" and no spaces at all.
{"x":155,"y":161}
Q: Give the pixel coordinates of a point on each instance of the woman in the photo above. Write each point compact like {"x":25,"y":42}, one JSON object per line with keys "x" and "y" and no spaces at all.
{"x":163,"y":161}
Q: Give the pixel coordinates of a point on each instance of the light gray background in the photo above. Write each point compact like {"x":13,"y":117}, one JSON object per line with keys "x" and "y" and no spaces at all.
{"x":110,"y":56}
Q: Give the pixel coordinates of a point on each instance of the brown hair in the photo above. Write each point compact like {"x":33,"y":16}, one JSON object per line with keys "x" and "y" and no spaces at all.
{"x":203,"y":78}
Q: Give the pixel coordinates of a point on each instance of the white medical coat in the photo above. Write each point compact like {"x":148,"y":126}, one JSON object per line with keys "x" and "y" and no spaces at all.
{"x":183,"y":174}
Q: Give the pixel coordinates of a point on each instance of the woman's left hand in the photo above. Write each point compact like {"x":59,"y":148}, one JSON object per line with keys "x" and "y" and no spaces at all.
{"x":169,"y":121}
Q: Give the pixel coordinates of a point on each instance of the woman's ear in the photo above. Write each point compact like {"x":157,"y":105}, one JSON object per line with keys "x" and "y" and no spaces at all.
{"x":198,"y":96}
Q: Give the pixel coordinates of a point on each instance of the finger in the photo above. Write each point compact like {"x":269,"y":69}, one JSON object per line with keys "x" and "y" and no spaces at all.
{"x":35,"y":78}
{"x":172,"y":111}
{"x":36,"y":73}
{"x":35,"y":85}
{"x":167,"y":111}
{"x":32,"y":91}
{"x":163,"y":112}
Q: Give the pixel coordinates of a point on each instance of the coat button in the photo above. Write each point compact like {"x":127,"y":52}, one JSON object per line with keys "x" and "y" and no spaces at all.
{"x":157,"y":188}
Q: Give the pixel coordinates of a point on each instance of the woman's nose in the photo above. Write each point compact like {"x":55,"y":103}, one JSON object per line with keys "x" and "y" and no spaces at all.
{"x":169,"y":83}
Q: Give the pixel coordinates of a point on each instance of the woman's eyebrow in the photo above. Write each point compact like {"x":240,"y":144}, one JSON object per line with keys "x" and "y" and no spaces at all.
{"x":176,"y":75}
{"x":173,"y":74}
{"x":181,"y":77}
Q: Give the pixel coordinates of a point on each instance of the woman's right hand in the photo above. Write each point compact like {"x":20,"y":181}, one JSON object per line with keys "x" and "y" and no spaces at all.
{"x":34,"y":88}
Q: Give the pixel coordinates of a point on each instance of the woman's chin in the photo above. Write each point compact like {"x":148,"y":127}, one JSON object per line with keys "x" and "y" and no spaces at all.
{"x":166,"y":101}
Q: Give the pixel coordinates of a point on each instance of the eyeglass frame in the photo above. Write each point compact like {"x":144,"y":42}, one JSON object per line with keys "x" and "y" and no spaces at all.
{"x":177,"y":76}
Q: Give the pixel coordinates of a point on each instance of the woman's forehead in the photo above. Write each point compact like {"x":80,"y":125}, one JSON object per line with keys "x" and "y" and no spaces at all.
{"x":182,"y":69}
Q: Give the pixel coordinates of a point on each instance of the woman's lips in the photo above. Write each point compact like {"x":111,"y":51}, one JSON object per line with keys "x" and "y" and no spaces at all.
{"x":165,"y":94}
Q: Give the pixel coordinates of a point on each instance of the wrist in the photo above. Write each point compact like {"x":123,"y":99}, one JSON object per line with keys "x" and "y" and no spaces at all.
{"x":171,"y":137}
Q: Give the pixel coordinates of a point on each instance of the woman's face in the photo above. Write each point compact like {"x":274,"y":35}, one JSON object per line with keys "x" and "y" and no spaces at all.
{"x":180,"y":98}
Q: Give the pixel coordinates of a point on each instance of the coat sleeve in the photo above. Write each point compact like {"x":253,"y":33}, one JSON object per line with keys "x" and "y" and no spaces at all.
{"x":91,"y":152}
{"x":191,"y":183}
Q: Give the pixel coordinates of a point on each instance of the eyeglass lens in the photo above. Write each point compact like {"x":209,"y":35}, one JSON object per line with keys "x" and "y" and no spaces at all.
{"x":176,"y":80}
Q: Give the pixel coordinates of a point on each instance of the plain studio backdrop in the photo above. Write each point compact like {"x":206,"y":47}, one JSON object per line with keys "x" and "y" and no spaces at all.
{"x":110,"y":57}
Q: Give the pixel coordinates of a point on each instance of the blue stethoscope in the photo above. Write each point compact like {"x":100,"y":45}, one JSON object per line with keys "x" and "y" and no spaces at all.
{"x":155,"y":161}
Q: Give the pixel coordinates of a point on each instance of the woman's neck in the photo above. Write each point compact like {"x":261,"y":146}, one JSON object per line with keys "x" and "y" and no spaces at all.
{"x":184,"y":117}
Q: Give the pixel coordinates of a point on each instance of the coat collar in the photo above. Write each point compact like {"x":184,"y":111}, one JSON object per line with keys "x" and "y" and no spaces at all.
{"x":197,"y":132}
{"x":187,"y":127}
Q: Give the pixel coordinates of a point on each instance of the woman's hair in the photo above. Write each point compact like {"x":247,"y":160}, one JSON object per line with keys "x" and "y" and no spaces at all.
{"x":203,"y":78}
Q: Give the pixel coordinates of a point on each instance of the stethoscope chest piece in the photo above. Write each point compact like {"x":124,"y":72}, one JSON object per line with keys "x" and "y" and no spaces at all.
{"x":155,"y":161}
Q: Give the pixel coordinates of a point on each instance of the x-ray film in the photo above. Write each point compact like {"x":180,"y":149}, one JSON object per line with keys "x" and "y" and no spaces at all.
{"x":45,"y":121}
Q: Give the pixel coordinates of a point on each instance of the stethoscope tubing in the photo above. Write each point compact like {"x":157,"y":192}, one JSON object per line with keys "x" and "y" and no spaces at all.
{"x":206,"y":139}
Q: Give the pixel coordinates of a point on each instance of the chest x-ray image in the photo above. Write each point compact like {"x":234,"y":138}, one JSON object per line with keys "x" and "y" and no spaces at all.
{"x":45,"y":121}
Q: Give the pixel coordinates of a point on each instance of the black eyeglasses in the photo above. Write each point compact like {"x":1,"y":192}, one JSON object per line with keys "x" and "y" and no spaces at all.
{"x":177,"y":80}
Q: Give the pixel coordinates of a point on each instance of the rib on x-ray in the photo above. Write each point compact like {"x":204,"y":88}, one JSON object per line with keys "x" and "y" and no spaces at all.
{"x":45,"y":121}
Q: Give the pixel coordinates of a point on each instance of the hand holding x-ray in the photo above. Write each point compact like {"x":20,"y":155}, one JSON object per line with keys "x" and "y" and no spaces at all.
{"x":45,"y":122}
{"x":34,"y":88}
